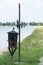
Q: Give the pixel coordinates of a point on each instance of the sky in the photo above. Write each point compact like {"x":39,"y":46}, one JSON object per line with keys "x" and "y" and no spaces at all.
{"x":31,"y":10}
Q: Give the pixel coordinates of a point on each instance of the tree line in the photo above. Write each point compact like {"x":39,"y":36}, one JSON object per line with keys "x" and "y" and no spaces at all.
{"x":36,"y":23}
{"x":23,"y":24}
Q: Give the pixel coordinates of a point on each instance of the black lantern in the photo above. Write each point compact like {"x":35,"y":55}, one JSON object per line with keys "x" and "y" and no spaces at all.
{"x":12,"y":41}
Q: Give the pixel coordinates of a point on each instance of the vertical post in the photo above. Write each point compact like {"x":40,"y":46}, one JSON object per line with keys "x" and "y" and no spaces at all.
{"x":19,"y":32}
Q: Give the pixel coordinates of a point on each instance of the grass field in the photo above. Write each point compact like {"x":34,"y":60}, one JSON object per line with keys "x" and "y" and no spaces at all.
{"x":31,"y":51}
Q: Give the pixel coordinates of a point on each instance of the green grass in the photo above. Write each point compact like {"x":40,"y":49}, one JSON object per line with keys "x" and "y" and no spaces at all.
{"x":31,"y":50}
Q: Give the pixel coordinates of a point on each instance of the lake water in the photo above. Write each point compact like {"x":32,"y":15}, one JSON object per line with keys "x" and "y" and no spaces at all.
{"x":4,"y":36}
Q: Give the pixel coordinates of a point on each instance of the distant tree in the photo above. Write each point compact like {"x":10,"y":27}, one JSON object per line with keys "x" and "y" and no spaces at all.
{"x":24,"y":24}
{"x":0,"y":23}
{"x":3,"y":24}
